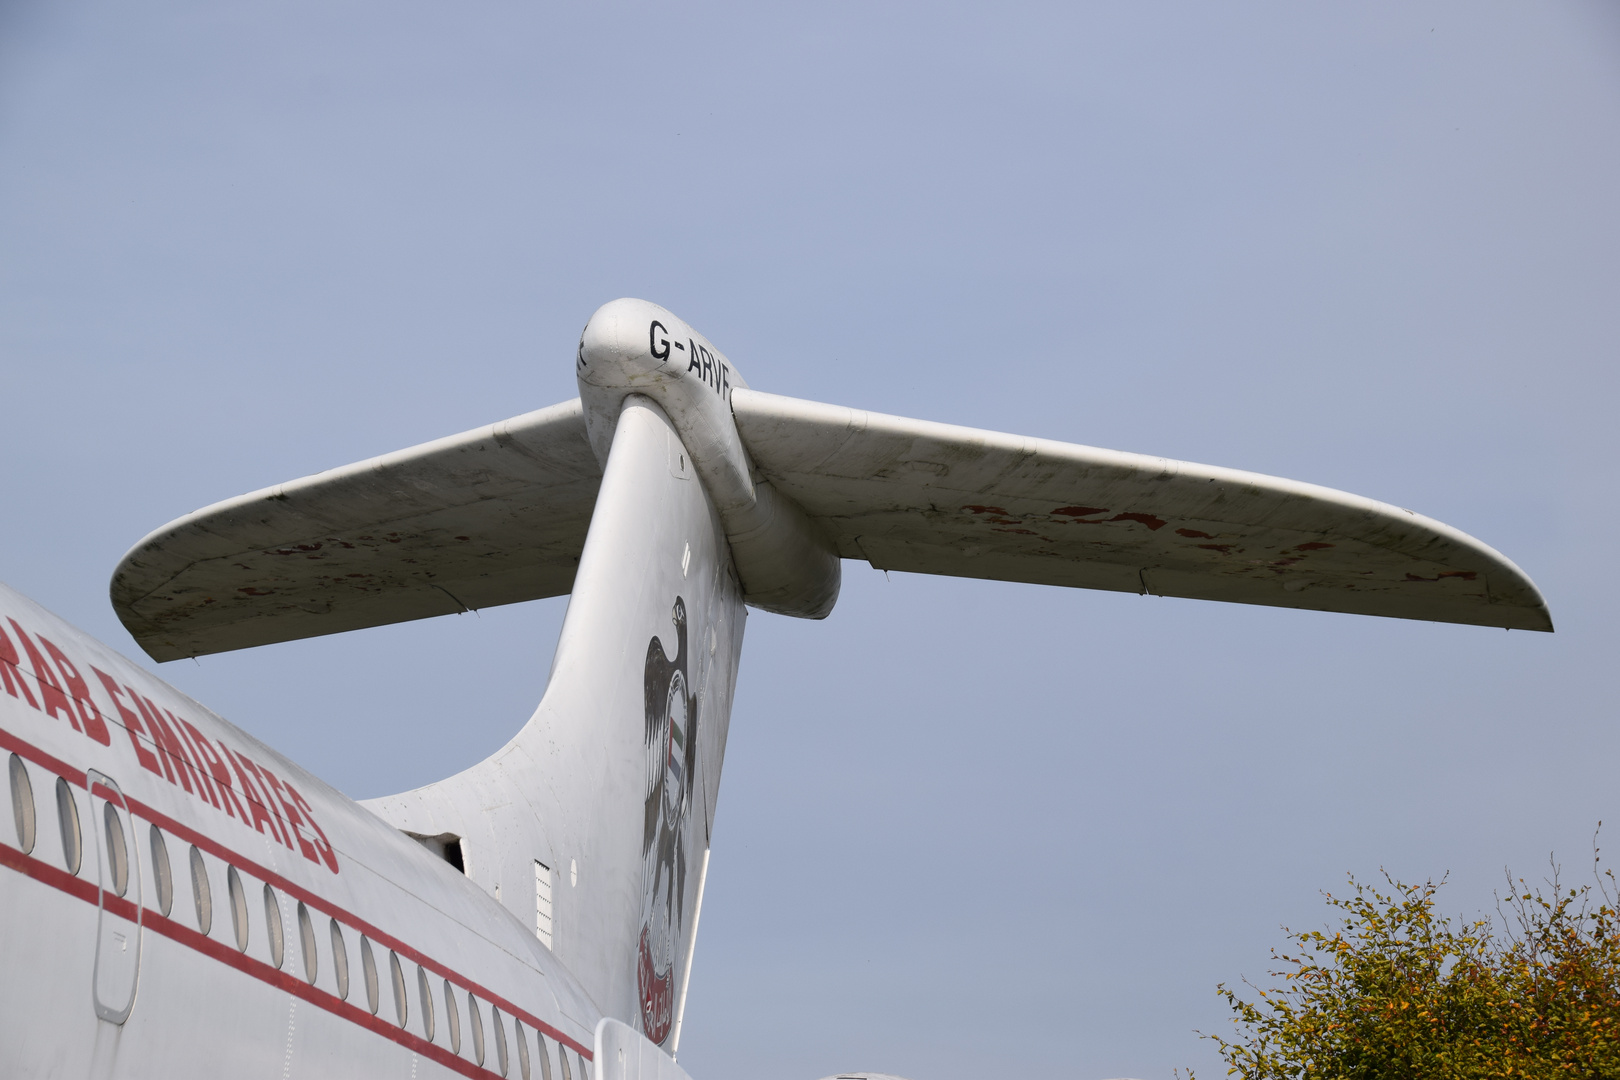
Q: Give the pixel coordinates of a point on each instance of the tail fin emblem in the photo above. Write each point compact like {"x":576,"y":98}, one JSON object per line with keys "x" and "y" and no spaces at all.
{"x":671,"y":760}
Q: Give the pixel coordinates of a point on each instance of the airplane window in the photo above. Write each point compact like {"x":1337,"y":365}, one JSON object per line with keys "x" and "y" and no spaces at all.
{"x":500,"y":1039}
{"x":306,"y":943}
{"x":238,"y":907}
{"x":451,"y":1018}
{"x":162,"y":877}
{"x":545,"y":1056}
{"x":239,"y":923}
{"x":272,"y":924}
{"x":476,"y":1022}
{"x":562,"y":1059}
{"x":22,"y":804}
{"x":401,"y":1006}
{"x":369,"y":967}
{"x":340,"y":961}
{"x":522,"y":1038}
{"x":67,"y":815}
{"x":426,"y":993}
{"x":117,"y":849}
{"x":200,"y":892}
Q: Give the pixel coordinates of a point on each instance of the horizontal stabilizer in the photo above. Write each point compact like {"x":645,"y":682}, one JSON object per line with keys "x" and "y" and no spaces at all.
{"x":939,"y":499}
{"x":487,"y":517}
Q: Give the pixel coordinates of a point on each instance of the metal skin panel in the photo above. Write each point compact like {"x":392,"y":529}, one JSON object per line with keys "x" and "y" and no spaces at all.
{"x":623,"y":1053}
{"x":70,"y":707}
{"x":605,"y":784}
{"x":491,"y":516}
{"x":939,"y":499}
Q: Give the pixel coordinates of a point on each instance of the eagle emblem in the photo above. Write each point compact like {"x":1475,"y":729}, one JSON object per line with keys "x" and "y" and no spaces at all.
{"x":671,"y":743}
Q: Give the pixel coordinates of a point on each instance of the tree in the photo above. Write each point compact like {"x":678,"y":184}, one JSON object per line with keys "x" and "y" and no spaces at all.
{"x":1398,"y":991}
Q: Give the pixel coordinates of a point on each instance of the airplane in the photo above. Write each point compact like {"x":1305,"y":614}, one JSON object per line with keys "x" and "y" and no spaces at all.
{"x":180,"y":899}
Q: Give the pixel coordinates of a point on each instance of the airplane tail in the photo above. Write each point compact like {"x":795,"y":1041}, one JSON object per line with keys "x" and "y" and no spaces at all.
{"x":668,"y":497}
{"x":593,"y":823}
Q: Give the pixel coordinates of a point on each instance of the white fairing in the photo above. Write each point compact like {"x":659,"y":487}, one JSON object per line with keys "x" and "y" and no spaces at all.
{"x":785,"y":563}
{"x":612,"y":784}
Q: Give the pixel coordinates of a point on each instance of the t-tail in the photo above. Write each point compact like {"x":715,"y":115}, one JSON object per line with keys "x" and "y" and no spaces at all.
{"x":667,"y":499}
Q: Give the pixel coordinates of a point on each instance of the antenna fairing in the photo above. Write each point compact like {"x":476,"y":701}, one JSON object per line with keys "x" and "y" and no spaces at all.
{"x":786,"y":563}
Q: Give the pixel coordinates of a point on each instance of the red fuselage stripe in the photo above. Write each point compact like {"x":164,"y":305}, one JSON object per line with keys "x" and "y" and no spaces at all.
{"x":74,"y":886}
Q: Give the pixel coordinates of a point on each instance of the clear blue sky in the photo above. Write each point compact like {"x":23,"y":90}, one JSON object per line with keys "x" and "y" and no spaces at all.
{"x":967,"y":828}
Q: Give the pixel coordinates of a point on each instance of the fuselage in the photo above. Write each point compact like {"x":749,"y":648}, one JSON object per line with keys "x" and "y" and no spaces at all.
{"x":178,"y":896}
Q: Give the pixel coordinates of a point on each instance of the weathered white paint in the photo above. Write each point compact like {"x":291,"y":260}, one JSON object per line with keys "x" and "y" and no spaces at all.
{"x":940,"y":499}
{"x":487,"y":517}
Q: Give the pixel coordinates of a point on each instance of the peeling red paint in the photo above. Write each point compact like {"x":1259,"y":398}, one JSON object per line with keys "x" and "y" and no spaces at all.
{"x":1080,"y":511}
{"x":1222,"y":548}
{"x":1149,"y":520}
{"x":1466,"y":575}
{"x":1194,"y":534}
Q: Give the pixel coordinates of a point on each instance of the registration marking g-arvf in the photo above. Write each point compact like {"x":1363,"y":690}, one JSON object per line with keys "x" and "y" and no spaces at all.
{"x":714,"y":372}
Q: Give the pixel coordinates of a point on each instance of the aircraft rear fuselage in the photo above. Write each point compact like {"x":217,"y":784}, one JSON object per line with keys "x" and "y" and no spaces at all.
{"x":262,"y":915}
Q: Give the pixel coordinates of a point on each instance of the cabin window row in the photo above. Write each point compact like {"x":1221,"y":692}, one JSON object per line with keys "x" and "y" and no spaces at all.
{"x":444,"y":1013}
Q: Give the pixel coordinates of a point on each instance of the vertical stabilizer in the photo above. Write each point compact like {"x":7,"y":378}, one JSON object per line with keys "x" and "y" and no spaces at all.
{"x":592,"y":825}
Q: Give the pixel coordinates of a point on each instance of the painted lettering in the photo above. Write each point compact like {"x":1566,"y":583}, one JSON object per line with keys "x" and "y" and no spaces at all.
{"x":656,"y":345}
{"x":256,"y":802}
{"x":260,"y":773}
{"x":131,"y":723}
{"x":222,"y":775}
{"x":704,"y":363}
{"x":79,"y":691}
{"x":10,"y":674}
{"x":205,"y":787}
{"x":152,"y":734}
{"x":165,"y":743}
{"x":49,"y":689}
{"x":293,"y":817}
{"x":321,"y":842}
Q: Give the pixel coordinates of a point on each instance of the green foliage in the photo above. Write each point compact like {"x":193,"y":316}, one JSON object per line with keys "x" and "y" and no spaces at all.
{"x":1400,"y":992}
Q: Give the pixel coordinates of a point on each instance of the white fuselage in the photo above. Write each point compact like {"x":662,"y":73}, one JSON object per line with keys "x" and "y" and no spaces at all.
{"x":199,"y":967}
